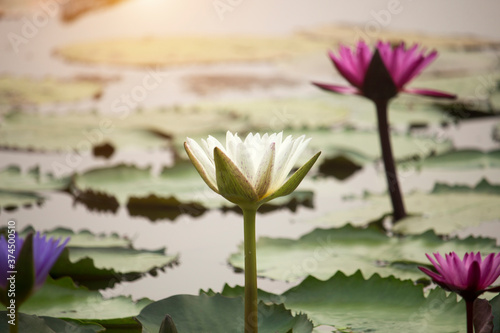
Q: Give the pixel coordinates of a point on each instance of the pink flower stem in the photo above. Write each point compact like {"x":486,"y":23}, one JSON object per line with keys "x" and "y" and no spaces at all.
{"x":390,"y":168}
{"x":470,"y":316}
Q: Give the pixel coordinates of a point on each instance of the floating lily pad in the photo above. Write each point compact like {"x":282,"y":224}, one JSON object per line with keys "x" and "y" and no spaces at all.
{"x":12,"y":200}
{"x":477,"y":94}
{"x":349,"y":34}
{"x":355,"y":305}
{"x":21,"y":189}
{"x":446,"y":209}
{"x":62,"y":299}
{"x":463,"y":159}
{"x":218,"y":314}
{"x":327,"y":110}
{"x":72,"y":132}
{"x":207,"y":84}
{"x":12,"y":179}
{"x":20,"y":91}
{"x":33,"y":323}
{"x":85,"y":238}
{"x":364,"y":146}
{"x":168,"y":51}
{"x":99,"y":261}
{"x":125,"y":129}
{"x":323,"y":252}
{"x":178,"y":190}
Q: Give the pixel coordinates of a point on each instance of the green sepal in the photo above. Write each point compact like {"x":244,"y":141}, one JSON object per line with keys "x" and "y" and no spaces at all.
{"x":25,"y":267}
{"x":232,"y":184}
{"x":167,"y":325}
{"x":378,"y":83}
{"x":294,"y":181}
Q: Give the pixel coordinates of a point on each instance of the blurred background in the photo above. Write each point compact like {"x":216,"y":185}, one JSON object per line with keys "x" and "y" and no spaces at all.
{"x":96,"y":98}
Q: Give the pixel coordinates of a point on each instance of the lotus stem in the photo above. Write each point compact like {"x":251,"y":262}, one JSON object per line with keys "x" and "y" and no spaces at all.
{"x":251,"y":312}
{"x":470,"y":316}
{"x":389,"y":165}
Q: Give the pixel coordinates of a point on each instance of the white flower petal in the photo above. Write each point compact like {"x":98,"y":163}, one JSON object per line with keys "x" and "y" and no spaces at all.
{"x":205,"y":167}
{"x":262,"y":163}
{"x":244,"y":161}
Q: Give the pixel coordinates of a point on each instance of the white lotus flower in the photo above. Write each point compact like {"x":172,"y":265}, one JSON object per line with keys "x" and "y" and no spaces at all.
{"x":252,"y":171}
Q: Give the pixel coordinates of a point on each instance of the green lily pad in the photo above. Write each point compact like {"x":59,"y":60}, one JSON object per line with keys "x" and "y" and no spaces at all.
{"x":461,"y":207}
{"x":463,"y":159}
{"x":323,"y":252}
{"x":103,"y":261}
{"x":345,"y":34}
{"x":185,"y":50}
{"x":125,"y":128}
{"x":21,"y":189}
{"x":12,"y":200}
{"x":363,"y":146}
{"x":62,"y":299}
{"x":12,"y":179}
{"x":218,"y":314}
{"x":33,"y":323}
{"x":73,"y":132}
{"x":178,"y":188}
{"x":101,"y":267}
{"x":85,"y":238}
{"x":445,"y":209}
{"x":327,"y":110}
{"x":99,"y":261}
{"x":355,"y":305}
{"x":21,"y":91}
{"x":476,"y":93}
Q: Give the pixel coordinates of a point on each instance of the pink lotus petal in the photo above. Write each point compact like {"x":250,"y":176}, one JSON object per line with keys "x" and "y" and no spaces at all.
{"x":469,"y":277}
{"x":346,"y":70}
{"x":428,"y":92}
{"x":338,"y":89}
{"x":402,"y":64}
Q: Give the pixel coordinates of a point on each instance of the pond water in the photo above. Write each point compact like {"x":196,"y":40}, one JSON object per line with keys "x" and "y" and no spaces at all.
{"x":205,"y":243}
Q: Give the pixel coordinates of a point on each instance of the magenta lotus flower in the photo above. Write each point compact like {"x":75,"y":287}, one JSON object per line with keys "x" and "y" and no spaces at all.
{"x":46,"y":251}
{"x":469,"y":277}
{"x":379,"y":76}
{"x":402,"y":64}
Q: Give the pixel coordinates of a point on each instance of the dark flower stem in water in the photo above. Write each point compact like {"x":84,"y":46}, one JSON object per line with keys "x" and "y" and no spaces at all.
{"x":390,"y":168}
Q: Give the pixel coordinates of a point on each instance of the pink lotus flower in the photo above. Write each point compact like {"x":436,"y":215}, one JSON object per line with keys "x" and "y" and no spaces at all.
{"x":402,"y":64}
{"x":469,"y":277}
